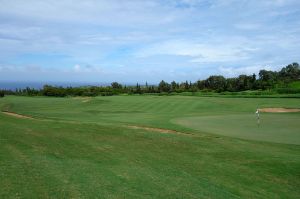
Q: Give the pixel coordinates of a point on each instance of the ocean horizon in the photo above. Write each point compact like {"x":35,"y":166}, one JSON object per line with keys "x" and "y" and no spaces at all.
{"x":13,"y":85}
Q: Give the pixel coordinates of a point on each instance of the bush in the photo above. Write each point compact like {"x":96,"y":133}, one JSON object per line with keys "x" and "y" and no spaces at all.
{"x":288,"y":90}
{"x":1,"y":94}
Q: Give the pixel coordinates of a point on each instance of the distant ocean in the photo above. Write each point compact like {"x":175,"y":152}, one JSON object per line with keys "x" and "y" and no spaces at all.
{"x":38,"y":85}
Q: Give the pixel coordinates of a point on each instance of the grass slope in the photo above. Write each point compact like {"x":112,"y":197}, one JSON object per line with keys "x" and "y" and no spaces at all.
{"x":81,"y":148}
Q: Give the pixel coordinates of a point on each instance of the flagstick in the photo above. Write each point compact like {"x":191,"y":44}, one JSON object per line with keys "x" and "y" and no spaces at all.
{"x":257,"y":114}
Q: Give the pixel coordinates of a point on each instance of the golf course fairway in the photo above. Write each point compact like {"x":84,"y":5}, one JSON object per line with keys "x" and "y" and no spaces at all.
{"x":148,"y":146}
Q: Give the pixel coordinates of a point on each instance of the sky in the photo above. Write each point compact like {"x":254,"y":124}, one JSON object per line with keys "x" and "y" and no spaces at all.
{"x":145,"y":40}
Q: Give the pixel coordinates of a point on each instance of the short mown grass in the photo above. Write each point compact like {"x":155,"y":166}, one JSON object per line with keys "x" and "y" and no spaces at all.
{"x":76,"y":149}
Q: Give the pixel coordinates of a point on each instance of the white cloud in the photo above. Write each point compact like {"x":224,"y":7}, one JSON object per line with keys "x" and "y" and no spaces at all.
{"x":279,"y":2}
{"x":198,"y":52}
{"x":77,"y":68}
{"x":183,"y":36}
{"x":248,"y":70}
{"x":112,"y":13}
{"x":85,"y":69}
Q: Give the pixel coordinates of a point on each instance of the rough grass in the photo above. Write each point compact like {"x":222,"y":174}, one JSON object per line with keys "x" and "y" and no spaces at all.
{"x":85,"y":150}
{"x":295,"y":84}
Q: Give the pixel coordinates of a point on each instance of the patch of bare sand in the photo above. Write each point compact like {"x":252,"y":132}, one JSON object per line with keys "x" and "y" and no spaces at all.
{"x":279,"y":110}
{"x":159,"y":130}
{"x":17,"y":115}
{"x":83,"y":99}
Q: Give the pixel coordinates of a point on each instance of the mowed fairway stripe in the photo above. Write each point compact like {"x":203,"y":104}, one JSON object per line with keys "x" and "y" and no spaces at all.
{"x":159,"y":130}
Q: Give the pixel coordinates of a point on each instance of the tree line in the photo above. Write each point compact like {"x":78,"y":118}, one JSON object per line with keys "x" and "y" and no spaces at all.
{"x":266,"y":80}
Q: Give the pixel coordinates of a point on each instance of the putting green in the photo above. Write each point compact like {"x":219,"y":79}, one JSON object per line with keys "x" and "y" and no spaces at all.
{"x":273,"y":127}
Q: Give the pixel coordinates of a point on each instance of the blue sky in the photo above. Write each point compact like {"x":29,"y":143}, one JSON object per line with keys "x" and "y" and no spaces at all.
{"x":145,"y":40}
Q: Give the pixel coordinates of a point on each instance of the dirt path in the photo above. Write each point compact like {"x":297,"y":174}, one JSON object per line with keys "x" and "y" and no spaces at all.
{"x":17,"y":115}
{"x":159,"y":130}
{"x":279,"y":110}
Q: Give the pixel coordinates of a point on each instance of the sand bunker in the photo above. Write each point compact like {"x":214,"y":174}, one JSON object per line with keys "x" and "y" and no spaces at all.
{"x":17,"y":115}
{"x":159,"y":130}
{"x":83,"y":99}
{"x":279,"y":110}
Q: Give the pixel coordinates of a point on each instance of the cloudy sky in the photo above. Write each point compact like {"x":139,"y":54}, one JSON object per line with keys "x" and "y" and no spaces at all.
{"x":145,"y":40}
